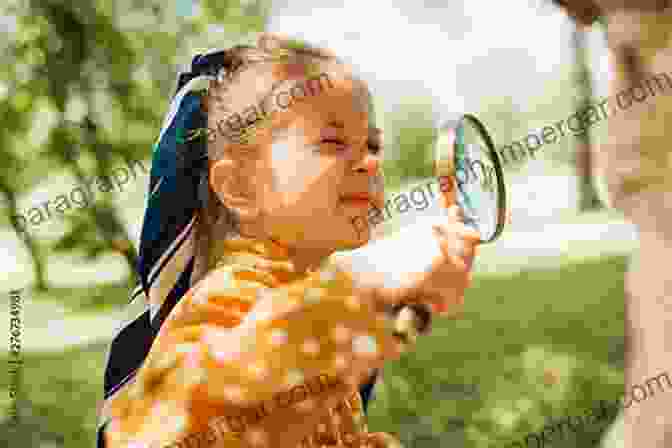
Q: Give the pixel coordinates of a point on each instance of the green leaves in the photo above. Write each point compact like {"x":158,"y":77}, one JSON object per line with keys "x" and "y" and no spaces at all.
{"x":89,"y":85}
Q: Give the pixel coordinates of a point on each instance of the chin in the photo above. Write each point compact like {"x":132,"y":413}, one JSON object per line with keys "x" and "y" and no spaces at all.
{"x":350,"y":245}
{"x":355,"y":242}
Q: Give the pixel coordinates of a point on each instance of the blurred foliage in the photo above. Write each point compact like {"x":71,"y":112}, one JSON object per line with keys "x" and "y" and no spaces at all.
{"x":409,"y":133}
{"x":86,"y":90}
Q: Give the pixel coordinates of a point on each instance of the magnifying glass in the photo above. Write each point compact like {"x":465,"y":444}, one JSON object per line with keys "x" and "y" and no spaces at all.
{"x":471,"y":176}
{"x":465,"y":160}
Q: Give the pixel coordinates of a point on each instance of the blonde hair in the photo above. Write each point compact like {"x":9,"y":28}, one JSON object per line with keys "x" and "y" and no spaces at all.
{"x":214,"y":220}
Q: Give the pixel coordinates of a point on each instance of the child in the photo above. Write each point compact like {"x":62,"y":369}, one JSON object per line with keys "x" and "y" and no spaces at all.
{"x":260,"y":336}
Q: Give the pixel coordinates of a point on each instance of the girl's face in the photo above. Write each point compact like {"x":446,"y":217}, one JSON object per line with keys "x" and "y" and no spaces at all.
{"x":316,"y":172}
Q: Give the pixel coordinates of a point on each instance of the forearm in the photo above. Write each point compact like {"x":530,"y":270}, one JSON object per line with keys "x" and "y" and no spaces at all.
{"x":386,"y":267}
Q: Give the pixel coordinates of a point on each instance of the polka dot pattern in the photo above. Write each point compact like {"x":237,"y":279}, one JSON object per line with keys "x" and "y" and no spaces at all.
{"x":365,"y":345}
{"x":340,"y":362}
{"x":341,"y":334}
{"x":215,"y":345}
{"x":311,"y":346}
{"x":258,"y":370}
{"x":224,"y":356}
{"x":353,"y":303}
{"x":137,"y":445}
{"x":235,"y":394}
{"x":192,"y":360}
{"x":278,"y":337}
{"x":313,"y":295}
{"x":186,"y":348}
{"x":295,"y":377}
{"x":327,"y":275}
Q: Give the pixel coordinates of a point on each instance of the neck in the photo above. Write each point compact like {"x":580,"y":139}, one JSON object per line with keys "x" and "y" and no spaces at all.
{"x":302,"y":258}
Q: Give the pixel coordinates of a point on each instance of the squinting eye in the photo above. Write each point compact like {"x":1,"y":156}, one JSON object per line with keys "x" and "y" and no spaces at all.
{"x":333,"y":141}
{"x":375,"y":149}
{"x":342,"y":146}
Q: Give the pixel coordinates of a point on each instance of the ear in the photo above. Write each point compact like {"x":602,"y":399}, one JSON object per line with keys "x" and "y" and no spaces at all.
{"x":234,"y":185}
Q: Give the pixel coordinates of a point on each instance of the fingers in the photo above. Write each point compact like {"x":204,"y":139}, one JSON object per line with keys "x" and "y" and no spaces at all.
{"x":448,"y":189}
{"x":458,"y":243}
{"x":456,"y":220}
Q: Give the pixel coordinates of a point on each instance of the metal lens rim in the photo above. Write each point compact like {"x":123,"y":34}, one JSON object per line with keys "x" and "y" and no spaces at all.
{"x":497,"y":165}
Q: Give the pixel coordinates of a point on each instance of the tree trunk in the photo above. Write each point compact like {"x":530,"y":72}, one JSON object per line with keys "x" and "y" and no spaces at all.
{"x":39,"y":266}
{"x":106,"y":218}
{"x":588,"y":198}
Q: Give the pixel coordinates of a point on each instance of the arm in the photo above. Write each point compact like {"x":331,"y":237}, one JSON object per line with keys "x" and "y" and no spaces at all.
{"x":635,"y":160}
{"x":227,"y":363}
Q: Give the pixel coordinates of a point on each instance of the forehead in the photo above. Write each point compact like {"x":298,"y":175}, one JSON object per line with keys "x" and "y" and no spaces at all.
{"x":283,"y":91}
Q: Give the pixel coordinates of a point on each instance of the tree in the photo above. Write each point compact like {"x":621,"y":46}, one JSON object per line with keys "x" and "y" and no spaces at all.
{"x":588,"y":198}
{"x":97,"y":75}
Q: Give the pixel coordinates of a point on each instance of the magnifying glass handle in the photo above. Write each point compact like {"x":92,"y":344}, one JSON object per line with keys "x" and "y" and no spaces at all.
{"x":411,"y":320}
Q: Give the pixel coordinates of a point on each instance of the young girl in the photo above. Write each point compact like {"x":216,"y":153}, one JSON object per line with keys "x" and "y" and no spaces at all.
{"x":256,"y":333}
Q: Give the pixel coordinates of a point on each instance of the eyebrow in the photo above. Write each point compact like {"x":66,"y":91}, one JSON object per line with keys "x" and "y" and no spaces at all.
{"x":373,"y":134}
{"x":341,"y":125}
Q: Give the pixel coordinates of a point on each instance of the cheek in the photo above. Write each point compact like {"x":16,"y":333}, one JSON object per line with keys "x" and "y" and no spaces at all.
{"x":292,"y":171}
{"x":300,"y":173}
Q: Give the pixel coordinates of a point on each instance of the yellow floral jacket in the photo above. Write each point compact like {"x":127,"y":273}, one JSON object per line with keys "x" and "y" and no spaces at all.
{"x":213,"y":355}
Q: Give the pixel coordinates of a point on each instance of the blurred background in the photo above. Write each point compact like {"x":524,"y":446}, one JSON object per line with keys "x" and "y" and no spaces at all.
{"x":84,"y":90}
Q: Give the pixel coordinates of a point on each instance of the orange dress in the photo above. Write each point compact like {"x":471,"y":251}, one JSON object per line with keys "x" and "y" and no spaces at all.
{"x":222,"y":374}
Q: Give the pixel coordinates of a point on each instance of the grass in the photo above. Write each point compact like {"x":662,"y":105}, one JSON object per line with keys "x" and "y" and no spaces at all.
{"x":539,"y":345}
{"x":59,"y":394}
{"x":100,"y":297}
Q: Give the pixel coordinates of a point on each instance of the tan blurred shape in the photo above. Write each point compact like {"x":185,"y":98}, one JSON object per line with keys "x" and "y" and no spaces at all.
{"x":636,"y":161}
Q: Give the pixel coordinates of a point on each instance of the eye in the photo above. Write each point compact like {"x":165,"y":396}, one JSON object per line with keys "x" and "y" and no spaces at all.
{"x":374,"y":149}
{"x":333,"y":141}
{"x":341,"y":145}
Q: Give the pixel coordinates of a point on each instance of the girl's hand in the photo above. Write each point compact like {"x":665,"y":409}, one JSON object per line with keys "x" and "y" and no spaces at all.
{"x":444,"y":283}
{"x":422,"y":263}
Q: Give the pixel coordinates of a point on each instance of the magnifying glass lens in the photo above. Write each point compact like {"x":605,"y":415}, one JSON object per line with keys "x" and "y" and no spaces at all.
{"x":475,"y":175}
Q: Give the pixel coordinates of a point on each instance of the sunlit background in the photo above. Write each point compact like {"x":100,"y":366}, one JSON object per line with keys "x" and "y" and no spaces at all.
{"x":85,"y":87}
